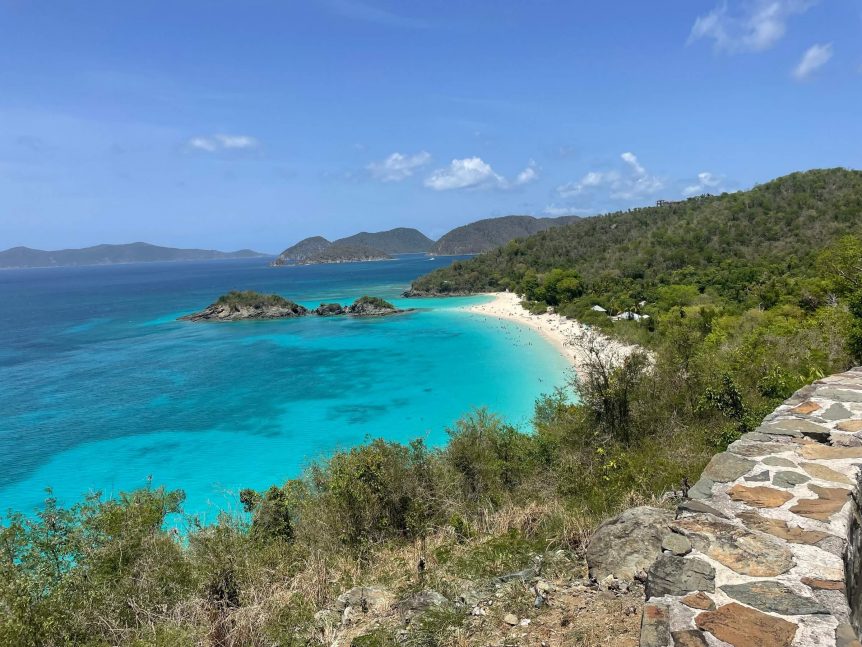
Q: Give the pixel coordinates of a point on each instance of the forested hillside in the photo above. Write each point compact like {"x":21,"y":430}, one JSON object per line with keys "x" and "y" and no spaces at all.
{"x":752,"y":247}
{"x":484,"y":235}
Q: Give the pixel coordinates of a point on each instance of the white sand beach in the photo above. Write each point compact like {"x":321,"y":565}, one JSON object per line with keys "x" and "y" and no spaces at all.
{"x":561,"y":332}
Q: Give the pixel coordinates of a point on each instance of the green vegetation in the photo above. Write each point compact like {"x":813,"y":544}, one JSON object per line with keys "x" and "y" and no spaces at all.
{"x":750,"y":296}
{"x":484,"y":235}
{"x":252,"y":299}
{"x":375,"y":302}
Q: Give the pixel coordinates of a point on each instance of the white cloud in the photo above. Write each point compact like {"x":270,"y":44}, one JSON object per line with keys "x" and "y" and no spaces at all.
{"x":220,"y":141}
{"x":473,"y":172}
{"x":634,"y":184}
{"x":398,"y":167}
{"x":748,"y":26}
{"x":705,"y":181}
{"x":529,"y":174}
{"x":813,"y":59}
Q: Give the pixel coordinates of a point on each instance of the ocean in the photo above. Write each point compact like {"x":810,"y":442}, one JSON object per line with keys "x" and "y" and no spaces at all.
{"x":102,"y":389}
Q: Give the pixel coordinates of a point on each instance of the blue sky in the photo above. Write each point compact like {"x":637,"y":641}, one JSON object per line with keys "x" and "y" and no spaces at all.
{"x":254,"y":124}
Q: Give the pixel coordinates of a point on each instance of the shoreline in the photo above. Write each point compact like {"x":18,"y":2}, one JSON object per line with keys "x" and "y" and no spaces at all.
{"x":555,"y":329}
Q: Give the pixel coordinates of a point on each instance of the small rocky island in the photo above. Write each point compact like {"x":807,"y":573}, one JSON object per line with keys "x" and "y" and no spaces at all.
{"x":242,"y":305}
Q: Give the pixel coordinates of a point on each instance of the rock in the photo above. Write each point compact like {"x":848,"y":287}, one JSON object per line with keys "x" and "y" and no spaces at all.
{"x":671,"y":575}
{"x":329,"y":310}
{"x":655,"y":626}
{"x":851,"y":426}
{"x":628,"y":543}
{"x":828,"y":502}
{"x":788,"y":479}
{"x":371,"y":307}
{"x":744,"y":627}
{"x":737,"y":548}
{"x":777,"y":461}
{"x":756,"y":449}
{"x":806,"y":408}
{"x":842,"y":395}
{"x":761,"y":476}
{"x":837,"y":412}
{"x":727,"y":467}
{"x":780,"y":529}
{"x":759,"y":496}
{"x":238,"y":306}
{"x":422,"y":601}
{"x":845,"y":636}
{"x":824,"y":473}
{"x":825,"y":452}
{"x":702,"y":489}
{"x":699,"y":507}
{"x":510,"y":619}
{"x":699,"y":600}
{"x":676,"y":544}
{"x":689,"y":638}
{"x":839,"y":439}
{"x":796,"y":427}
{"x":773,"y":597}
{"x":364,"y":598}
{"x":826,"y":585}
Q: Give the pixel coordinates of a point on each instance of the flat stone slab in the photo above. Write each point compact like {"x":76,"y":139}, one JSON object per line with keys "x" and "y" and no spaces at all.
{"x":781,"y":529}
{"x":777,"y":461}
{"x":837,"y":412}
{"x":727,"y":467}
{"x":700,"y":507}
{"x":825,"y":452}
{"x":824,"y":585}
{"x":828,"y":502}
{"x":773,"y":597}
{"x":743,"y":627}
{"x":841,"y":395}
{"x":759,"y":477}
{"x":689,"y":638}
{"x":655,"y":626}
{"x":699,"y":600}
{"x":758,"y":449}
{"x":759,"y":496}
{"x":672,"y":575}
{"x":806,"y":408}
{"x":702,"y":489}
{"x":788,"y":479}
{"x":824,"y":473}
{"x":851,"y":426}
{"x":739,"y":549}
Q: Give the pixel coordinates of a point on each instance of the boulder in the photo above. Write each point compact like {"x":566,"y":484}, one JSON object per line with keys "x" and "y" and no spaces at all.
{"x":628,"y":544}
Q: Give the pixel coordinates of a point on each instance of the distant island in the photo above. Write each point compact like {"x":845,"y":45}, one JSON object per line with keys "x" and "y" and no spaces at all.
{"x":25,"y":257}
{"x":474,"y":238}
{"x":249,"y":305}
{"x":363,"y":246}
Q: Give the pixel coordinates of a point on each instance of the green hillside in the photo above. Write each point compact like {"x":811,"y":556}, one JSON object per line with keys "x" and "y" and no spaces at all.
{"x":747,"y":247}
{"x":484,"y":235}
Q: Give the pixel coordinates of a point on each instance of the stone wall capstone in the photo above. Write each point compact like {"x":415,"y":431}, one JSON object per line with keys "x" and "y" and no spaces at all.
{"x":775,"y":529}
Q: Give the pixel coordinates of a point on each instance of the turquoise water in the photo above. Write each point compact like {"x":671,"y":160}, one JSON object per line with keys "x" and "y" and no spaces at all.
{"x":101,"y":388}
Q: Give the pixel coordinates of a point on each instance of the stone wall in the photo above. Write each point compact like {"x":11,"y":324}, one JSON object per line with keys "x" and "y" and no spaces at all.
{"x":767,"y":548}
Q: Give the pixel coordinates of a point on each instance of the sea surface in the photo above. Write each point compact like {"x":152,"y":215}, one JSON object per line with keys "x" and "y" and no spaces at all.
{"x":102,"y":389}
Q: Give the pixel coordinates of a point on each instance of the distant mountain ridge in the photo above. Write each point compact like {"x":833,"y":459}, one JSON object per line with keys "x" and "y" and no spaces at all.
{"x":485,"y":235}
{"x":401,"y":240}
{"x":26,"y":257}
{"x":473,"y":238}
{"x":358,"y":247}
